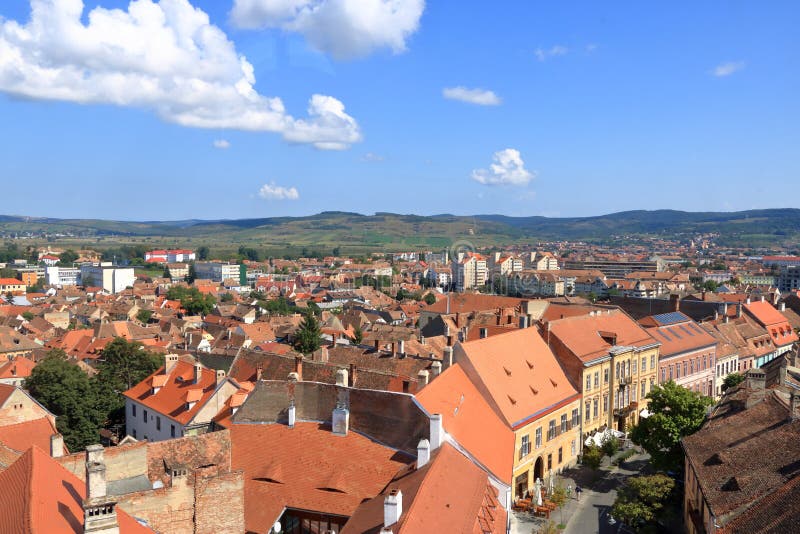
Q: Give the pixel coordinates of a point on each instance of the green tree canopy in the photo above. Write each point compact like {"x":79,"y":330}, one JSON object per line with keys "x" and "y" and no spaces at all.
{"x":192,"y":300}
{"x":358,"y":336}
{"x":676,"y":412}
{"x":641,"y":499}
{"x":68,"y":257}
{"x":202,"y":253}
{"x":430,"y":299}
{"x":592,"y":457}
{"x":143,"y":316}
{"x":65,"y":390}
{"x":307,"y":339}
{"x":732,"y":380}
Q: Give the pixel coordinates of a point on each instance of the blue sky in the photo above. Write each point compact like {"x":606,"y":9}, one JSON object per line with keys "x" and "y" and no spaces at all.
{"x":595,"y":108}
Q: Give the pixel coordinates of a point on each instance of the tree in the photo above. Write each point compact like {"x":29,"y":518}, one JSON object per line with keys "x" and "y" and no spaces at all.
{"x":68,"y":393}
{"x":202,"y":253}
{"x":641,"y":499}
{"x":143,"y":316}
{"x":430,"y":299}
{"x":358,"y":336}
{"x":592,"y":457}
{"x":732,"y":380}
{"x":28,"y":316}
{"x":676,"y":412}
{"x":226,"y":297}
{"x":548,"y":528}
{"x":192,"y":300}
{"x":710,"y":285}
{"x":125,"y":363}
{"x":167,"y":273}
{"x":68,"y":257}
{"x":610,"y":446}
{"x":308,"y":335}
{"x":192,"y":276}
{"x":559,"y":498}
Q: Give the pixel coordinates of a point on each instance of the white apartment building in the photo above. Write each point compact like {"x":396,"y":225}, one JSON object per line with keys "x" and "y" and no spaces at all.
{"x":110,"y":278}
{"x":216,"y":271}
{"x":62,"y":276}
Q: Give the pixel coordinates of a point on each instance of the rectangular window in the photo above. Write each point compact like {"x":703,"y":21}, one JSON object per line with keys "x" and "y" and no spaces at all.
{"x":685,"y":368}
{"x":605,"y":375}
{"x":144,"y":415}
{"x":605,"y":403}
{"x":133,"y":410}
{"x":644,"y":364}
{"x":596,"y":406}
{"x":563,"y":423}
{"x":551,"y":431}
{"x":560,"y":456}
{"x":572,"y":447}
{"x":670,"y":372}
{"x":587,"y":413}
{"x":633,"y":392}
{"x":653,"y":361}
{"x":158,"y":422}
{"x":597,"y":379}
{"x":134,"y":433}
{"x":663,"y":374}
{"x":633,"y":369}
{"x":588,"y":382}
{"x":539,"y":437}
{"x":549,"y":462}
{"x":172,"y":430}
{"x":677,"y":370}
{"x":525,"y":447}
{"x":575,"y":418}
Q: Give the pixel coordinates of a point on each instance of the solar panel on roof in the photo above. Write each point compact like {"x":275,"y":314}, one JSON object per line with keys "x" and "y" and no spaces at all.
{"x":664,"y":335}
{"x":670,"y":318}
{"x":683,"y":327}
{"x":676,"y":334}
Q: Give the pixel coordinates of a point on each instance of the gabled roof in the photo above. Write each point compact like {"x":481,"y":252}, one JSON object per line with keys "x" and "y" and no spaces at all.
{"x":21,"y":436}
{"x":38,"y":495}
{"x":178,"y":390}
{"x":449,"y":494}
{"x":582,"y":334}
{"x":20,"y":367}
{"x":311,"y":458}
{"x":521,"y":375}
{"x":775,"y":322}
{"x":468,"y":419}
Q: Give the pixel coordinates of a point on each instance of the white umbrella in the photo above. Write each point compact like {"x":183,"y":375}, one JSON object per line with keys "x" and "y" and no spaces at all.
{"x":550,"y":483}
{"x":537,"y":487}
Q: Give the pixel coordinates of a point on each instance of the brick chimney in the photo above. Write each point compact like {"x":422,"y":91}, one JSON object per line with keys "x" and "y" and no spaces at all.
{"x":352,"y":375}
{"x":436,"y":431}
{"x":392,"y":507}
{"x":198,"y":372}
{"x":423,"y":453}
{"x":220,"y":377}
{"x":298,"y":366}
{"x":259,"y":371}
{"x":56,"y":445}
{"x":100,"y":514}
{"x":675,"y":302}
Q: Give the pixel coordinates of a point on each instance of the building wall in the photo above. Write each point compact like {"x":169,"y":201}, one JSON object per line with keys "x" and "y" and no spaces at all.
{"x":694,"y":370}
{"x":568,"y":441}
{"x":137,"y":427}
{"x":724,"y":366}
{"x":19,"y":408}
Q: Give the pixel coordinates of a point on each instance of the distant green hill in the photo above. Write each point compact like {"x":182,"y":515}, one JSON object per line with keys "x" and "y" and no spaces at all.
{"x":384,"y":231}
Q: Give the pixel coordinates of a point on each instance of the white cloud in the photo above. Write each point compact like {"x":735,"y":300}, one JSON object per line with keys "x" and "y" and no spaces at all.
{"x":543,"y":54}
{"x":343,"y":28}
{"x":481,"y":97}
{"x":371,"y":156}
{"x":163,"y":56}
{"x":222,"y":144}
{"x":271,"y":191}
{"x":507,"y":169}
{"x":728,"y":68}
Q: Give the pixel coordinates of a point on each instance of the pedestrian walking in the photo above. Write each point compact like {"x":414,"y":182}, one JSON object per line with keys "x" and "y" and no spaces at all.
{"x":578,"y":491}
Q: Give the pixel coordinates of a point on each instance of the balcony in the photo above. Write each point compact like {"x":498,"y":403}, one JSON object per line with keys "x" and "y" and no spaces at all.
{"x":626,"y":410}
{"x":624,"y":380}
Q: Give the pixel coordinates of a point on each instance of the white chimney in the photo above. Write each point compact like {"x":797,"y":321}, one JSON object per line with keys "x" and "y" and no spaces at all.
{"x":341,"y":419}
{"x":292,"y":415}
{"x":401,"y":348}
{"x":436,"y":369}
{"x":56,"y":445}
{"x":95,"y":472}
{"x":198,"y":372}
{"x":220,"y":376}
{"x":783,"y":306}
{"x":447,"y":357}
{"x":392,"y":507}
{"x":423,"y":377}
{"x":762,"y":298}
{"x":423,"y":453}
{"x":436,"y":431}
{"x":170,"y":360}
{"x":341,"y":377}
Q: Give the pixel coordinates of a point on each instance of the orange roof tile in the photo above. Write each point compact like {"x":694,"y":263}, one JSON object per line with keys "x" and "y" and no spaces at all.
{"x":311,"y":455}
{"x":17,"y":368}
{"x":171,"y":399}
{"x":37,"y":494}
{"x":582,"y":334}
{"x":468,"y":419}
{"x":21,"y":436}
{"x":521,"y":375}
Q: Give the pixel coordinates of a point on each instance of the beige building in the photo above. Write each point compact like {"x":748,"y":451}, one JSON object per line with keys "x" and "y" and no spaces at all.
{"x":612,"y":359}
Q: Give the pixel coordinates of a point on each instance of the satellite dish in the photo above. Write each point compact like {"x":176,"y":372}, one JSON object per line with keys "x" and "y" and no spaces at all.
{"x":277,"y":527}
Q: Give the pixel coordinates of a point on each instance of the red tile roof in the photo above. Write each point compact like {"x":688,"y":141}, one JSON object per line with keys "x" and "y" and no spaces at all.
{"x":179,"y":388}
{"x":521,"y":375}
{"x":38,"y":495}
{"x":17,"y":368}
{"x":308,"y":468}
{"x":21,"y":436}
{"x":468,"y":419}
{"x":774,"y":321}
